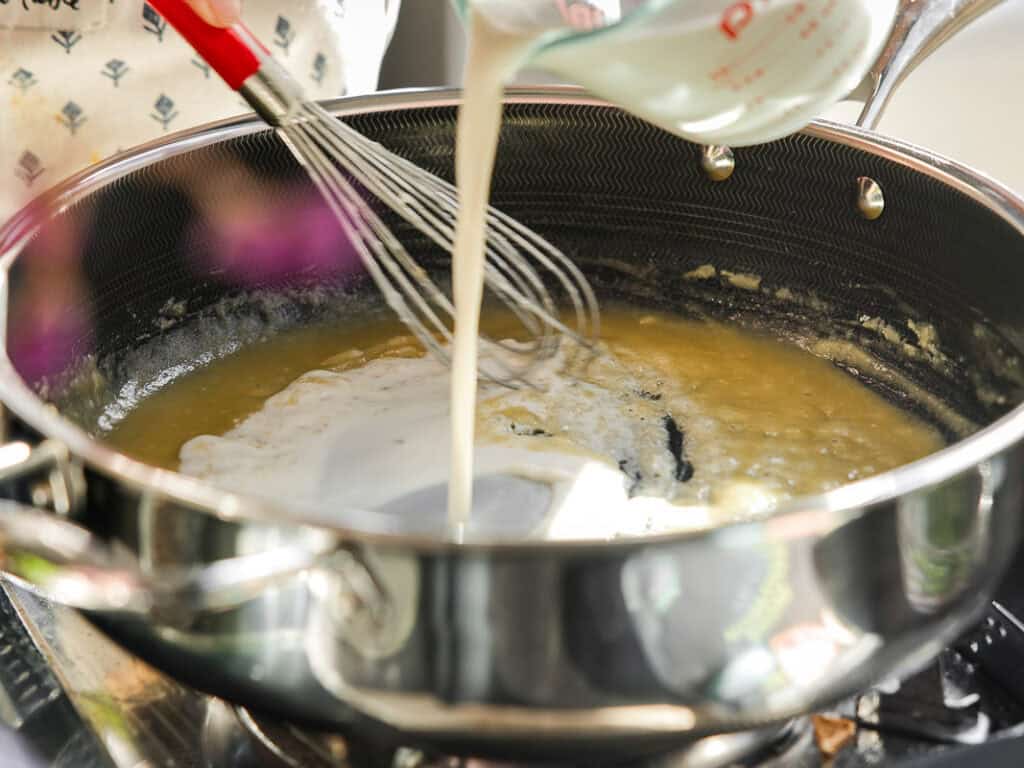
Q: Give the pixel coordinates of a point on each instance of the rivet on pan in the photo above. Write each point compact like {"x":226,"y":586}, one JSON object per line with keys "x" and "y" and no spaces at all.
{"x":41,"y":495}
{"x":870,"y":200}
{"x":718,"y":162}
{"x":408,"y":758}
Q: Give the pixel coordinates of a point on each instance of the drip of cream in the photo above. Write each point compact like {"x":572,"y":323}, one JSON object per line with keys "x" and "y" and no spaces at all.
{"x":493,"y":57}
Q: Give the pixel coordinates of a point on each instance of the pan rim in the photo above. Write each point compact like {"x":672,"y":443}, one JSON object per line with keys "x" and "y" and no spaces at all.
{"x":828,"y":509}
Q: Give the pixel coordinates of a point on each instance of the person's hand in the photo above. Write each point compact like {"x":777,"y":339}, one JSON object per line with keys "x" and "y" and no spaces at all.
{"x":220,"y":13}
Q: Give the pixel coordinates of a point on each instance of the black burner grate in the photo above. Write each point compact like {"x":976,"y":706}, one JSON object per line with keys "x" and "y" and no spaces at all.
{"x":923,"y":723}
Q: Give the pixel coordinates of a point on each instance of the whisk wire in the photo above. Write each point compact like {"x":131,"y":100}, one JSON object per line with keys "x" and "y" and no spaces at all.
{"x":399,"y":172}
{"x":340,"y":159}
{"x":520,"y":289}
{"x":371,"y":242}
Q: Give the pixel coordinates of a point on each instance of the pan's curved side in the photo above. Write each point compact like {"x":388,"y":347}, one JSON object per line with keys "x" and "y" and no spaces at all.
{"x":630,"y":643}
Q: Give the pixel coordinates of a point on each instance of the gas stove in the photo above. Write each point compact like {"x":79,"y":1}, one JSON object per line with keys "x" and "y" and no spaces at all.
{"x":72,"y":699}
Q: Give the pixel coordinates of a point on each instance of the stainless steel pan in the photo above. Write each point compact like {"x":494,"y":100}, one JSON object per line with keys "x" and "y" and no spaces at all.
{"x":535,"y":647}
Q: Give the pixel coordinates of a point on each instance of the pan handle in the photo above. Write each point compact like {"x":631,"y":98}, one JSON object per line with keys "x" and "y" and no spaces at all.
{"x":921,"y":28}
{"x":66,"y":564}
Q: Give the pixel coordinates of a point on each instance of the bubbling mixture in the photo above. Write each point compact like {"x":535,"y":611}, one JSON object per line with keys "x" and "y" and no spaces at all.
{"x":677,"y":425}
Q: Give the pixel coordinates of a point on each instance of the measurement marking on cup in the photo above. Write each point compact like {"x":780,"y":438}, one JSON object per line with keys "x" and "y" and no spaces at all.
{"x":796,"y":26}
{"x":735,"y":18}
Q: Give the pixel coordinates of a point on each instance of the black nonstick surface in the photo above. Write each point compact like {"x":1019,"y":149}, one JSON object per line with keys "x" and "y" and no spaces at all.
{"x":627,"y":201}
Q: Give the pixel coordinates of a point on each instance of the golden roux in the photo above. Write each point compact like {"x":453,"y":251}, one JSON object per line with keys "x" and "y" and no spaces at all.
{"x":756,"y":412}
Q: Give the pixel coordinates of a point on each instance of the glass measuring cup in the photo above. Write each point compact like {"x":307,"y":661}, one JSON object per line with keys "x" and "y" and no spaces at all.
{"x":712,"y":71}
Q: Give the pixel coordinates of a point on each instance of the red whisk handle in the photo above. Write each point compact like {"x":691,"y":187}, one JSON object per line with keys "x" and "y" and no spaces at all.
{"x":233,"y":52}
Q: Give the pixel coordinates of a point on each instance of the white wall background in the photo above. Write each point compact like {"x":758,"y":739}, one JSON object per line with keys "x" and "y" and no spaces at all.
{"x":967,"y":101}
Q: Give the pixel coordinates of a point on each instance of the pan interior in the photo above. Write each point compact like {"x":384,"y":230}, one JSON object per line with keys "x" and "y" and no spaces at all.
{"x":157,"y":279}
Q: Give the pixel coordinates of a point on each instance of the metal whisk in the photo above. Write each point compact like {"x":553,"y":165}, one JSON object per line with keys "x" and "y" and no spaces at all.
{"x":341,"y":162}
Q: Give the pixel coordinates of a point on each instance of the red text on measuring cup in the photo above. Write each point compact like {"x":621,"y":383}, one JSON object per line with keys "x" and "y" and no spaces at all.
{"x":735,"y":18}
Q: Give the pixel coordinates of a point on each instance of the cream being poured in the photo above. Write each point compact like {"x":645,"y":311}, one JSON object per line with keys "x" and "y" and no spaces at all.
{"x":493,"y":57}
{"x":666,"y":70}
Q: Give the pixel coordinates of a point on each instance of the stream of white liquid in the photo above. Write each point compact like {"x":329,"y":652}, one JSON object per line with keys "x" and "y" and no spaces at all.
{"x":664,"y":72}
{"x":492,"y":59}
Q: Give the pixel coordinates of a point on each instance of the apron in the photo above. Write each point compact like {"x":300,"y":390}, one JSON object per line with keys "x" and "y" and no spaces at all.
{"x":84,"y":79}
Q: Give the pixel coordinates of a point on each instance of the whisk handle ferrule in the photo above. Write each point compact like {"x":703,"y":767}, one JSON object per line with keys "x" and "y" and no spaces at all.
{"x":233,"y":52}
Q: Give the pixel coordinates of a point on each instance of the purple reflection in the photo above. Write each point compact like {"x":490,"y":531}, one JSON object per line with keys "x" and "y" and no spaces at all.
{"x":44,"y":343}
{"x":50,"y":327}
{"x":258,"y":243}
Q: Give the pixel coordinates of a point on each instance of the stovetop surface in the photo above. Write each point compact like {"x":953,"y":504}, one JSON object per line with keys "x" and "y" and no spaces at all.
{"x":71,"y":699}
